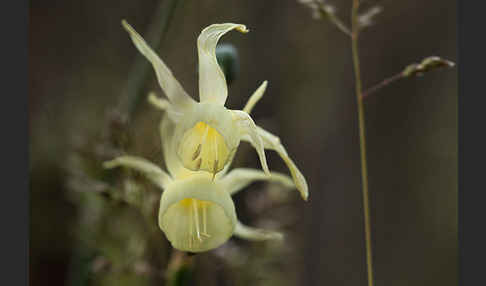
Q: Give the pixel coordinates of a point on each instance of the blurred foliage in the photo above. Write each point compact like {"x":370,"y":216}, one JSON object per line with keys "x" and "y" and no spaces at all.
{"x":227,"y":57}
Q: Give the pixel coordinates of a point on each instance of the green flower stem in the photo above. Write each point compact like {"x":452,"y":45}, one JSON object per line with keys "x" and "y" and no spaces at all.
{"x":362,"y":139}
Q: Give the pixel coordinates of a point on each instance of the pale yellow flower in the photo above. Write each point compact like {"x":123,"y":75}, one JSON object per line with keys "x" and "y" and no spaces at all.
{"x":206,"y":133}
{"x":196,"y":210}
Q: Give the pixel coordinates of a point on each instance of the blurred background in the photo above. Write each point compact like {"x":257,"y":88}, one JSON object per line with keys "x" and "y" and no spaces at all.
{"x":87,"y":90}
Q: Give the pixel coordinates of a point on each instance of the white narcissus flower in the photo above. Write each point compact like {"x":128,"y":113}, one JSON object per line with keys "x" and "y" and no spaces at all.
{"x":196,"y":210}
{"x":207,"y":134}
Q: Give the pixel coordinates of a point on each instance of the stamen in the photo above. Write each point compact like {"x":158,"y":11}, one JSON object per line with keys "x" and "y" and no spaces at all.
{"x":215,"y":165}
{"x":197,"y":152}
{"x":196,"y":219}
{"x":201,"y":146}
{"x":215,"y":168}
{"x":204,"y":232}
{"x":191,"y":229}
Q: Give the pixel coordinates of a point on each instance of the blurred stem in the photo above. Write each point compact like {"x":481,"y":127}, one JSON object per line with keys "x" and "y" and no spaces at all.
{"x":327,"y":12}
{"x":362,"y":139}
{"x":179,"y":269}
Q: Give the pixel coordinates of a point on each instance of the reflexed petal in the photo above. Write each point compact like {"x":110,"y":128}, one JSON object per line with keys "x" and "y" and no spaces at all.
{"x":169,"y":84}
{"x":255,"y":97}
{"x":256,"y":234}
{"x":196,"y":214}
{"x":248,"y":127}
{"x":239,"y":178}
{"x":212,"y":82}
{"x":150,"y":170}
{"x":272,"y":142}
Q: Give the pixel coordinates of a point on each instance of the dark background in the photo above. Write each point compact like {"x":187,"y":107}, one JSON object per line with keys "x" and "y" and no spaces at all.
{"x":79,"y":62}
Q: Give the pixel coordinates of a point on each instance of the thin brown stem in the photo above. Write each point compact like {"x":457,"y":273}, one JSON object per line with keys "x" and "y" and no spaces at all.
{"x":382,"y":84}
{"x":427,"y":64}
{"x":362,"y":140}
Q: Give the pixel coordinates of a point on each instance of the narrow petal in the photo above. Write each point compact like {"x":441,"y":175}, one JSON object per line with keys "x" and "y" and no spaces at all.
{"x":169,"y":84}
{"x":248,"y":128}
{"x":165,"y":105}
{"x":255,"y":97}
{"x":212,"y":82}
{"x":256,"y":234}
{"x":239,"y":178}
{"x":158,"y":102}
{"x":272,"y":142}
{"x":150,"y":170}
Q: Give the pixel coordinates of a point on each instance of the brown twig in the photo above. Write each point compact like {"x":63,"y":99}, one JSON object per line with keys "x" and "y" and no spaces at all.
{"x":428,"y":64}
{"x":382,"y":84}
